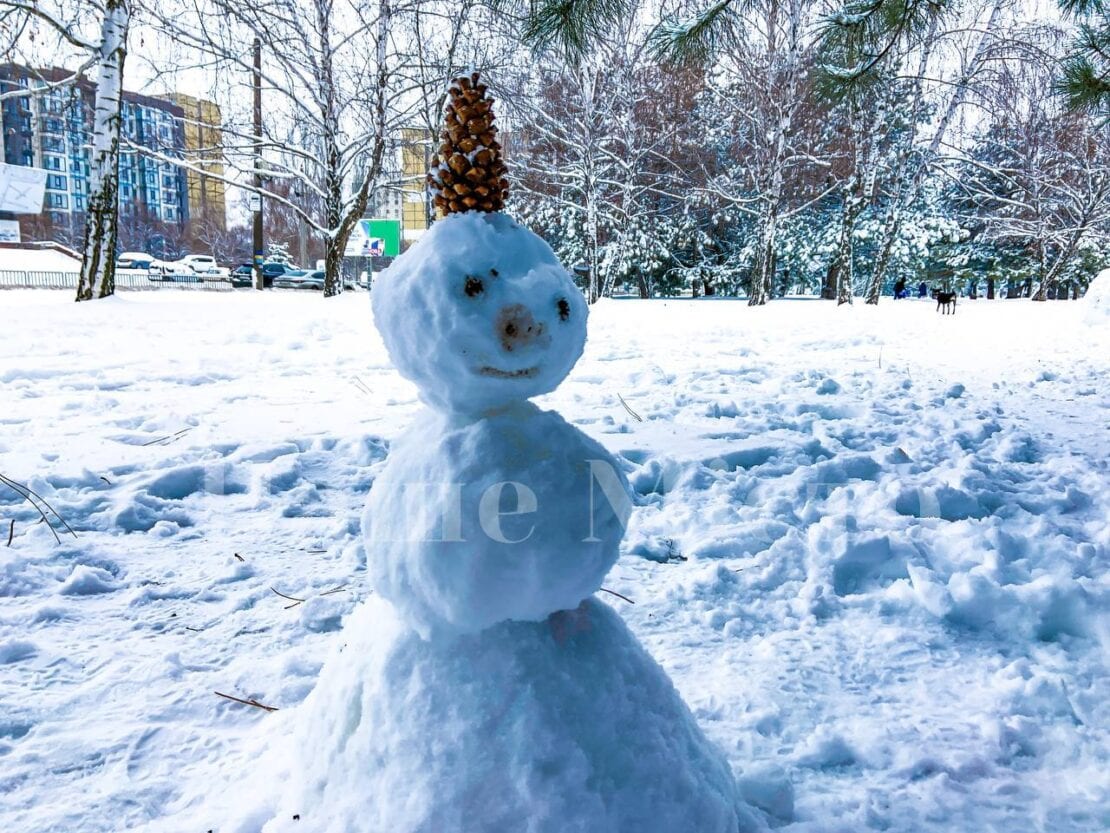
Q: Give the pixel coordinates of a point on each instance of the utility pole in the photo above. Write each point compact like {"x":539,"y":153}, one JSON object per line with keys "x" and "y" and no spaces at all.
{"x":256,"y":197}
{"x":302,"y":244}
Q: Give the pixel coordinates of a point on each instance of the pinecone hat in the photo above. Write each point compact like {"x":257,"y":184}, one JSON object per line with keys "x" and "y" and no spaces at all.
{"x":467,"y":173}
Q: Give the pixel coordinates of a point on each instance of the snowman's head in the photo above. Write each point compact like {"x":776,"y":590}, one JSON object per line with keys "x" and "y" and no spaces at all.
{"x":479,"y":313}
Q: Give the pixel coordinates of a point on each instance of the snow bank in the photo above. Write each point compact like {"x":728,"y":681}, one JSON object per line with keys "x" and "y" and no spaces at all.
{"x":37,"y":260}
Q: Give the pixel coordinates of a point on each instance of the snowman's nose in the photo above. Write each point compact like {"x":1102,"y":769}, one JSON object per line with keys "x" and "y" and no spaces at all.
{"x":516,"y":328}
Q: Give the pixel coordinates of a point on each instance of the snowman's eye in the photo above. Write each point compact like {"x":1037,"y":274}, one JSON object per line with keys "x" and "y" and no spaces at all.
{"x":473,"y":287}
{"x":564,"y":309}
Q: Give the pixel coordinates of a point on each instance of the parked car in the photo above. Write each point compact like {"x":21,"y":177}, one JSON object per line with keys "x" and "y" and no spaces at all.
{"x":243,"y":275}
{"x":205,"y":266}
{"x":163,"y":270}
{"x":200,"y":264}
{"x":134,"y":260}
{"x":300,"y":280}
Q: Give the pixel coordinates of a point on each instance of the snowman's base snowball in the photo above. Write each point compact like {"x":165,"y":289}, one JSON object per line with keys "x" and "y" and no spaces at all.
{"x":1097,"y":299}
{"x":517,"y":728}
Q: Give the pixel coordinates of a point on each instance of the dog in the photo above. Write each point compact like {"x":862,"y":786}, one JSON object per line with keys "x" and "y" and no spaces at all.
{"x":946,"y":302}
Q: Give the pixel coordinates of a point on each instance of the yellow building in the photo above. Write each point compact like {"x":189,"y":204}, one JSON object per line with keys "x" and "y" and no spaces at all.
{"x":416,"y":157}
{"x":203,"y":148}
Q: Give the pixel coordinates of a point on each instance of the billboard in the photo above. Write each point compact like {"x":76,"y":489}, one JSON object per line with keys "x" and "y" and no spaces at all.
{"x":375,"y":238}
{"x":21,"y":189}
{"x":9,"y":231}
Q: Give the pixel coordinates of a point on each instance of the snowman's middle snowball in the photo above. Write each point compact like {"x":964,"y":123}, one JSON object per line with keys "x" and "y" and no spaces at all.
{"x":515,"y":516}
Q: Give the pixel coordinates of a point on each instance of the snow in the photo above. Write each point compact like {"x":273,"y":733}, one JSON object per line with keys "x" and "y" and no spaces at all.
{"x":476,"y":522}
{"x":886,"y":602}
{"x":480,"y":298}
{"x":486,"y":509}
{"x":501,"y":691}
{"x":37,"y":260}
{"x":480,"y":732}
{"x":1097,"y":299}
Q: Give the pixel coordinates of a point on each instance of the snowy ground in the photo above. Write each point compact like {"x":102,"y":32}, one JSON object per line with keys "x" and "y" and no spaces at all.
{"x":871,"y":547}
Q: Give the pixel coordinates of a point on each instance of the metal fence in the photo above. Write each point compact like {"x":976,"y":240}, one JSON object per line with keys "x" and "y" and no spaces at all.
{"x":126,"y":279}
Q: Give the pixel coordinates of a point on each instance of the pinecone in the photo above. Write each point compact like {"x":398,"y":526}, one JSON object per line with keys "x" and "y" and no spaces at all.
{"x":467,"y":173}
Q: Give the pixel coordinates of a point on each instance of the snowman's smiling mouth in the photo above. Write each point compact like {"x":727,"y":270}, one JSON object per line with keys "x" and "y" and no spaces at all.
{"x":497,"y":373}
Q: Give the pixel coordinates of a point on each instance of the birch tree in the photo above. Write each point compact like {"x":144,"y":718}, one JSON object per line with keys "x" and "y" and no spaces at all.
{"x":97,"y":30}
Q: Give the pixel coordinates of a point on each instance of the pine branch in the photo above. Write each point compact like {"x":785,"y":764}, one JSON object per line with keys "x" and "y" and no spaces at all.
{"x":694,"y":40}
{"x":572,"y":26}
{"x":864,"y":35}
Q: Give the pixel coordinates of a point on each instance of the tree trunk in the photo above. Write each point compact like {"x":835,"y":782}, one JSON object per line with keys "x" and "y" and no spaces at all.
{"x":98,"y":262}
{"x":841,"y":267}
{"x":828,"y":286}
{"x":990,"y":287}
{"x":759,"y":291}
{"x":882,"y":262}
{"x":592,"y":243}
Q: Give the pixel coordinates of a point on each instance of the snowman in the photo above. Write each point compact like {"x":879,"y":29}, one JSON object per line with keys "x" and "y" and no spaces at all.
{"x":482,"y":688}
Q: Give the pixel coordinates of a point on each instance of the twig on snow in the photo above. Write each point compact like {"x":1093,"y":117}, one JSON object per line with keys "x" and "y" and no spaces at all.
{"x":34,"y":498}
{"x":618,"y":595}
{"x":251,"y":702}
{"x":635,"y":415}
{"x":293,"y":599}
{"x":169,"y":438}
{"x":11,"y":532}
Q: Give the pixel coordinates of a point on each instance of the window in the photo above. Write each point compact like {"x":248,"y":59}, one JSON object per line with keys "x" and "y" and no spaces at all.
{"x":57,"y":201}
{"x":171,"y":213}
{"x":78,"y":203}
{"x":53,"y":163}
{"x":56,"y":182}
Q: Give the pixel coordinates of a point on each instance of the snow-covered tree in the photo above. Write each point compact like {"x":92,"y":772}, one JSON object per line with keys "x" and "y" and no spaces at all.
{"x":596,"y":148}
{"x":1038,"y":175}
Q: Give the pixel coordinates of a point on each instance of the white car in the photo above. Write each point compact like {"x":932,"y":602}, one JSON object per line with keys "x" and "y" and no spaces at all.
{"x":200,"y":264}
{"x":163,"y":270}
{"x":204,"y":266}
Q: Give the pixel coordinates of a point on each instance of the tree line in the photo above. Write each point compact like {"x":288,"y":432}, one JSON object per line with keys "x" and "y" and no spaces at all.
{"x":750,"y":147}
